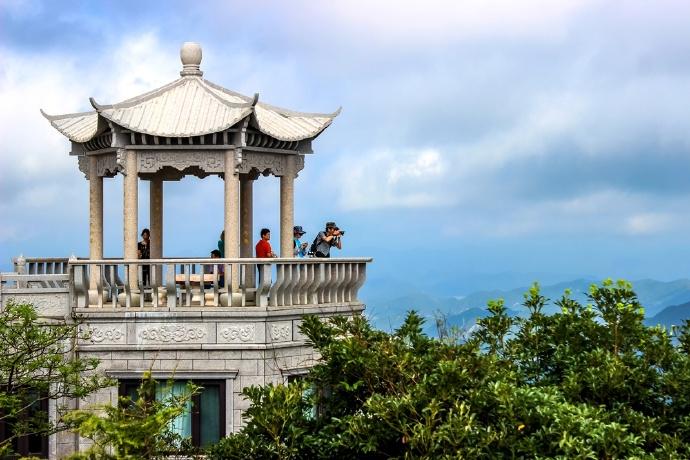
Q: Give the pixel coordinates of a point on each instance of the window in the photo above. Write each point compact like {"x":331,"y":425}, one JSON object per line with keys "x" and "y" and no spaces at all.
{"x":293,"y":378}
{"x":35,"y":445}
{"x":204,"y":419}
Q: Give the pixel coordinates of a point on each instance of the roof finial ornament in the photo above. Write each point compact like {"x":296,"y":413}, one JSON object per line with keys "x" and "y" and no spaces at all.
{"x":190,"y":55}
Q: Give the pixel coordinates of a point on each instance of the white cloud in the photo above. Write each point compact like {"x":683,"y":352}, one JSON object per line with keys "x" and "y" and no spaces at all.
{"x":37,"y":175}
{"x":424,"y":164}
{"x":649,"y":223}
{"x":421,"y":24}
{"x":396,"y":179}
{"x":599,"y":213}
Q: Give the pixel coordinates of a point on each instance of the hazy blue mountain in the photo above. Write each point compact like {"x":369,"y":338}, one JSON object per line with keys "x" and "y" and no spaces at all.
{"x":654,"y":295}
{"x":387,"y":312}
{"x":671,"y":316}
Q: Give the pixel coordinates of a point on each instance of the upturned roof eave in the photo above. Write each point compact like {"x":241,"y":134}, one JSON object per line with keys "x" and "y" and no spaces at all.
{"x":249,"y":104}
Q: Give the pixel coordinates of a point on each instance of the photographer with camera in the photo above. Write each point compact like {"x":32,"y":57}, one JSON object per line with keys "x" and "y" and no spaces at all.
{"x":325,"y":240}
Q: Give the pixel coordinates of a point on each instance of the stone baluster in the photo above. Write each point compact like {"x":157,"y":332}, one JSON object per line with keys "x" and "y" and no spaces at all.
{"x":290,"y":287}
{"x":187,"y":285}
{"x":156,"y":273}
{"x":80,"y":286}
{"x":264,"y":285}
{"x":349,"y":281}
{"x":97,"y":273}
{"x":321,"y":282}
{"x":113,"y":285}
{"x":360,"y":279}
{"x":275,"y":296}
{"x":299,"y":298}
{"x":310,"y":289}
{"x":128,"y":287}
{"x":171,"y":291}
{"x":331,"y":277}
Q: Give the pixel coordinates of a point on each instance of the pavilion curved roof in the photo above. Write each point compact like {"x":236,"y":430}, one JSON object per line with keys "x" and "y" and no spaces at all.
{"x":191,"y":106}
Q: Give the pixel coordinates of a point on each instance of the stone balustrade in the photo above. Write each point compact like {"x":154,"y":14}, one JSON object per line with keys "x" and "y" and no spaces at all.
{"x":172,"y":283}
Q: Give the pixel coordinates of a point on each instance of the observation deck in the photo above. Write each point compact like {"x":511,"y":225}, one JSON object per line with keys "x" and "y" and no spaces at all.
{"x":224,"y":323}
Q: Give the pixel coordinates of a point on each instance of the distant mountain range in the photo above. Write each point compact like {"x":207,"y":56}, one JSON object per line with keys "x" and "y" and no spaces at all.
{"x":671,"y":316}
{"x":664,"y":302}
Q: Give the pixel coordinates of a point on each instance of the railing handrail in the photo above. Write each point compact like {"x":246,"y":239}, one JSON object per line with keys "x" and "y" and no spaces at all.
{"x":41,"y":259}
{"x":209,"y":261}
{"x":12,"y":276}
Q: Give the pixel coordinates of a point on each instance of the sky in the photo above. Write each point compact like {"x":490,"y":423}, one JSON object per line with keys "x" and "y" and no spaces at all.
{"x":479,"y":140}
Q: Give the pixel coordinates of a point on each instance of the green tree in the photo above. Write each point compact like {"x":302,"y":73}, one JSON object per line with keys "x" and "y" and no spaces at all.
{"x":38,"y":364}
{"x":137,"y":427}
{"x":589,"y":382}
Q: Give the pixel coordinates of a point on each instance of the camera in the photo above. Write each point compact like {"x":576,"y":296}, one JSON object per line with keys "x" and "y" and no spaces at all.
{"x":342,"y":232}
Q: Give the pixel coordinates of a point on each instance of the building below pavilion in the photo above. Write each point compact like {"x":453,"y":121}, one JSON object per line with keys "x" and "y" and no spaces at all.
{"x":224,"y":323}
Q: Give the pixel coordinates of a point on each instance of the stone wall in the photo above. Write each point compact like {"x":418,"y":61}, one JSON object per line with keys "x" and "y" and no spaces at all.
{"x":240,"y":346}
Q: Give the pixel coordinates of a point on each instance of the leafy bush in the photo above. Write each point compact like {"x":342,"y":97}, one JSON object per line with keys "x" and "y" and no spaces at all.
{"x":37,"y":365}
{"x":136,"y":428}
{"x":589,"y":382}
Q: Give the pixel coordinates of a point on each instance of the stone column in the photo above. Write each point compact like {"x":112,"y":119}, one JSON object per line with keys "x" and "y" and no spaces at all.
{"x":287,"y":207}
{"x":232,"y":218}
{"x":130,"y":208}
{"x":246,"y":223}
{"x":246,"y":215}
{"x":95,"y":220}
{"x":156,"y":223}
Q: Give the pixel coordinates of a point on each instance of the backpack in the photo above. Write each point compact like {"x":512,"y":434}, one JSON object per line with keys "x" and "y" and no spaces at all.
{"x":312,"y":248}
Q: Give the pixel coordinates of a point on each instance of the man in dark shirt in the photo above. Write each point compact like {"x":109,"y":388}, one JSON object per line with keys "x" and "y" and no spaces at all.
{"x":327,"y":239}
{"x":144,"y":252}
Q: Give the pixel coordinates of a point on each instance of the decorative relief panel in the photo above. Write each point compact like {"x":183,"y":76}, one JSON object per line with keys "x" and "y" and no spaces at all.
{"x":272,"y":163}
{"x":208,"y":161}
{"x":235,"y":333}
{"x":172,"y":333}
{"x":106,"y":165}
{"x":299,"y":164}
{"x":281,"y":332}
{"x":102,"y":334}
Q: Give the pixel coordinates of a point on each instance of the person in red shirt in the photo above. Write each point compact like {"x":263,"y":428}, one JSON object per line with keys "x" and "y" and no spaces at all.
{"x":263,"y":247}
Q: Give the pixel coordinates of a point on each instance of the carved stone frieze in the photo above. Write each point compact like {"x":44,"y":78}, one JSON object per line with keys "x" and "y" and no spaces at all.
{"x":172,"y":333}
{"x":102,"y":334}
{"x":269,"y":163}
{"x":233,"y":333}
{"x":208,"y":161}
{"x":281,"y":332}
{"x":106,"y":165}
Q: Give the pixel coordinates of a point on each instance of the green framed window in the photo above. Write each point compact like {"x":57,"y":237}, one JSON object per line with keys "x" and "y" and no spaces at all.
{"x":204,"y":419}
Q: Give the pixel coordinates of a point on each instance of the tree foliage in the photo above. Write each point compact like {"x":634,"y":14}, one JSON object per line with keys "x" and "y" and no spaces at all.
{"x":589,"y":382}
{"x":138,"y":427}
{"x":37,"y":364}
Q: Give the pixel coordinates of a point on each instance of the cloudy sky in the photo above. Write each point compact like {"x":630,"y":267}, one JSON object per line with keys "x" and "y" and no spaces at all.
{"x":544,"y":138}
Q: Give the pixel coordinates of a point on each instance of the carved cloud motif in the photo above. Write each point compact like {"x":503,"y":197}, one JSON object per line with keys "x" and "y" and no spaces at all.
{"x":97,"y":334}
{"x":281,"y":332}
{"x":234,"y":333}
{"x":172,"y":333}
